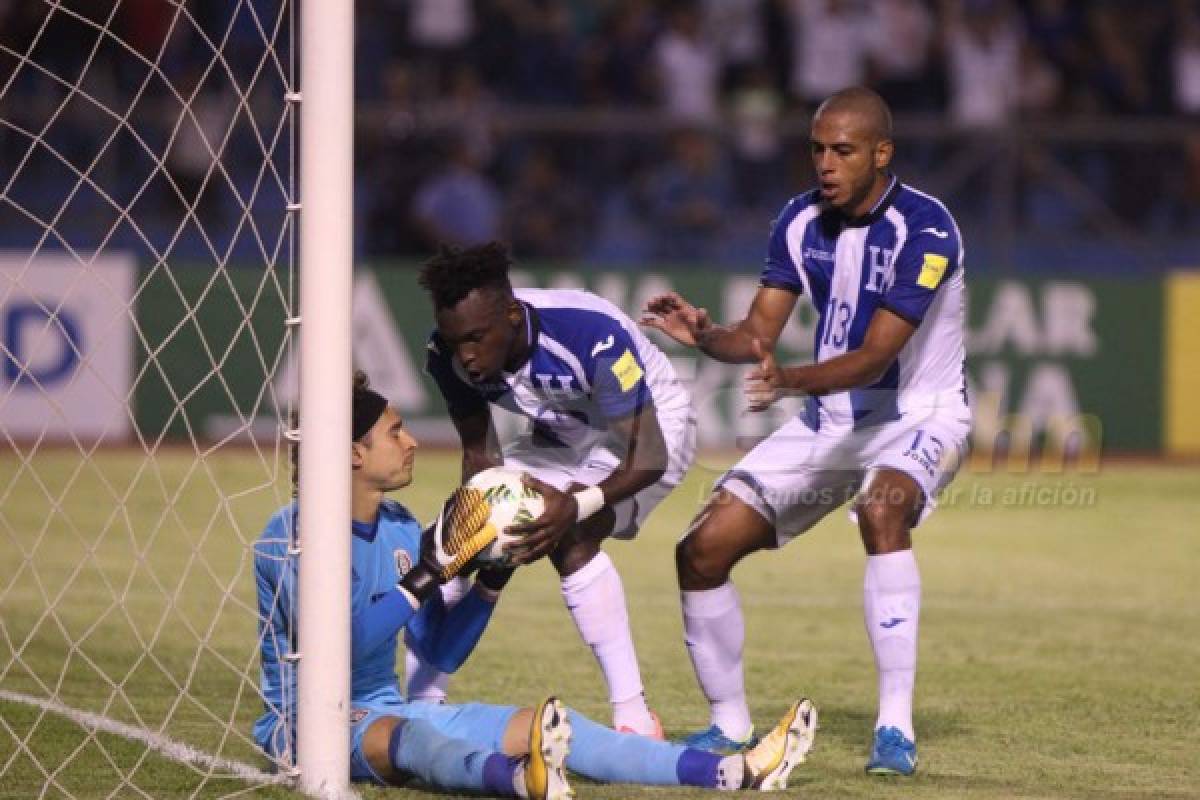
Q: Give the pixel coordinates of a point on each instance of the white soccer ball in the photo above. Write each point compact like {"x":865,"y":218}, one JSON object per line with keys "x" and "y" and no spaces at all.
{"x":512,"y":503}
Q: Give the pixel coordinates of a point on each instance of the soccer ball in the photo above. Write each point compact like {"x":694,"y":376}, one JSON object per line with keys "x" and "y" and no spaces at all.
{"x":512,"y":503}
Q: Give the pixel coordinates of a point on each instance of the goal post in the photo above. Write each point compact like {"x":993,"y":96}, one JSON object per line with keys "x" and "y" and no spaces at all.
{"x":326,"y":277}
{"x":175,"y":244}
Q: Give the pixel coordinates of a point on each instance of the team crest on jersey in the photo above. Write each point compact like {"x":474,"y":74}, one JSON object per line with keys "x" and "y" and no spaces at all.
{"x":403,"y":562}
{"x":627,"y":371}
{"x":357,"y":715}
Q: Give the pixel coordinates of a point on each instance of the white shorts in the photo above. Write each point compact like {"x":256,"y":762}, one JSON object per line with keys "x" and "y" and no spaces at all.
{"x":562,"y":467}
{"x":796,"y":476}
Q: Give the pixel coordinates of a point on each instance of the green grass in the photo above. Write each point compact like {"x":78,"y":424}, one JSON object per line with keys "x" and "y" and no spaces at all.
{"x":1059,"y":644}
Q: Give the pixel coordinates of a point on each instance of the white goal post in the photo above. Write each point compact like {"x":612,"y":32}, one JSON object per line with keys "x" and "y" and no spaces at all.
{"x":326,"y":251}
{"x":175,"y":239}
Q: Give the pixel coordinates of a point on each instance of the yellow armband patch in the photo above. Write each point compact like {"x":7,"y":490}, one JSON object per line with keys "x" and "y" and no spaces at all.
{"x":932,"y":270}
{"x":627,"y":371}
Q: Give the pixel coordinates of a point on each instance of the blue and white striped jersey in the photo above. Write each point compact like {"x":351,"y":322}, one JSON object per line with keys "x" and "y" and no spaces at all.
{"x":589,"y":364}
{"x":906,"y":255}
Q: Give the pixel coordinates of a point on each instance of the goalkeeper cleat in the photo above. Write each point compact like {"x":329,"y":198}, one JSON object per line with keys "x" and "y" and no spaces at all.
{"x":549,"y":743}
{"x":772,"y":760}
{"x":461,"y":530}
{"x":714,"y":740}
{"x":892,"y":753}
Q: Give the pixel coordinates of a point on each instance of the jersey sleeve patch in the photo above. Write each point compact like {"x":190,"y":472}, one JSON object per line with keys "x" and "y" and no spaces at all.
{"x":933,"y":267}
{"x":627,"y":372}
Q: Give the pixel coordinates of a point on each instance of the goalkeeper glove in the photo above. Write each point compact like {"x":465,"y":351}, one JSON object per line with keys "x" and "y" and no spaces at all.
{"x":460,"y":531}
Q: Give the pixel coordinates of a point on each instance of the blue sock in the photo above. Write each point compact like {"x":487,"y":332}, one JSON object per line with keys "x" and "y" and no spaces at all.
{"x":602,"y":754}
{"x":698,"y":768}
{"x":418,"y":748}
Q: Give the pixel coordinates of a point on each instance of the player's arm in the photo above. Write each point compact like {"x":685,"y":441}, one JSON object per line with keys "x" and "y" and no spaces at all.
{"x":460,"y":531}
{"x":886,"y":336}
{"x":622,"y":395}
{"x":480,"y":448}
{"x":445,"y":637}
{"x":734,"y":344}
{"x":925,"y":261}
{"x":645,"y":455}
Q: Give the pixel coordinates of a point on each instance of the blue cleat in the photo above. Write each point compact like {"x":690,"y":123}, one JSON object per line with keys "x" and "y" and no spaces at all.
{"x":714,"y":740}
{"x":893,"y":753}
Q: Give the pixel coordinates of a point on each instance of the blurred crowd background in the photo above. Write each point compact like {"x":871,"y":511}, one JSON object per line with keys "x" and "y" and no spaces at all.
{"x":1064,"y":134}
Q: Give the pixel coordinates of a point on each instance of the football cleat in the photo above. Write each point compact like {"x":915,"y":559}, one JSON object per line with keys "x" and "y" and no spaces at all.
{"x":892,"y":753}
{"x":460,"y":532}
{"x":772,"y":760}
{"x":656,"y":732}
{"x":714,"y":740}
{"x":549,"y":743}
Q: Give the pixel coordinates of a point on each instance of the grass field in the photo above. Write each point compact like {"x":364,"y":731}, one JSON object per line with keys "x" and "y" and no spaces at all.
{"x":1059,"y":641}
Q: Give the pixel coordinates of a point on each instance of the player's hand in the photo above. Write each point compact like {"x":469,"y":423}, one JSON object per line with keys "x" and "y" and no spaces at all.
{"x":542,"y":535}
{"x":460,"y":531}
{"x":764,"y":383}
{"x":676,"y":317}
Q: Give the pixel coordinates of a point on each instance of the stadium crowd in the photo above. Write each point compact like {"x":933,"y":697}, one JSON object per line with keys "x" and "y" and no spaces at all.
{"x":615,"y":131}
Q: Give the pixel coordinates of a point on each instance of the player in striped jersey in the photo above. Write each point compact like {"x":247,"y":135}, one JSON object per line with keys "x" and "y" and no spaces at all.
{"x":611,"y":431}
{"x":886,"y":417}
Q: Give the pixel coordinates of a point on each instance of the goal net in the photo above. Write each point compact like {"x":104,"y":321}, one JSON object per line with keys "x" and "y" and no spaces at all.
{"x":148,"y":234}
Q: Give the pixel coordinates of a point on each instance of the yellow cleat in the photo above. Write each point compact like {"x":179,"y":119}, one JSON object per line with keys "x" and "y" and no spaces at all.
{"x":549,"y":743}
{"x":772,"y":760}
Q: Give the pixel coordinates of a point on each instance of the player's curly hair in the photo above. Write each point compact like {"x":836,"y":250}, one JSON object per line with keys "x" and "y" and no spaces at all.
{"x":454,"y":272}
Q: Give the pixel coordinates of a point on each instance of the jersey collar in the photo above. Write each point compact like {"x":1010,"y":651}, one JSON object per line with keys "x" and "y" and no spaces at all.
{"x":365,"y":530}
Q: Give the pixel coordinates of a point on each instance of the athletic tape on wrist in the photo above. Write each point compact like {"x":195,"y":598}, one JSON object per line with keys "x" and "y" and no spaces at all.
{"x":589,"y":500}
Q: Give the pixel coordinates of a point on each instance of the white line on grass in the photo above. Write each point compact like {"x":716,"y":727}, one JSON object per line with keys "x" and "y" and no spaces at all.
{"x":177,"y":751}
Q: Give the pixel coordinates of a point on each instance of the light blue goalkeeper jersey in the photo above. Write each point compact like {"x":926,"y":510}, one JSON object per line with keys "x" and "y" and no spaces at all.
{"x":382,"y":553}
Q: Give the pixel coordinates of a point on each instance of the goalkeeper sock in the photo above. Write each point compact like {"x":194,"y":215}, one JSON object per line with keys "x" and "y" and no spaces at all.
{"x":715,"y":633}
{"x":602,"y":754}
{"x":891,"y":608}
{"x":424,"y":682}
{"x":418,"y":748}
{"x":596,"y":599}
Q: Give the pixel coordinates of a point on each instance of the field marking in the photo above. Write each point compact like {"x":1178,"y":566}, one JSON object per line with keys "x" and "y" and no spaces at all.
{"x":176,"y":751}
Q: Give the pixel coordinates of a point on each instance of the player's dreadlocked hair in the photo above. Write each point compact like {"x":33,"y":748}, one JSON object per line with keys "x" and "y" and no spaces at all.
{"x":454,"y":272}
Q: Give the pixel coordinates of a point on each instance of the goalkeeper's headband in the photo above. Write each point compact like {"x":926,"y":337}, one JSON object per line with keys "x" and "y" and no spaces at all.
{"x":368,"y":408}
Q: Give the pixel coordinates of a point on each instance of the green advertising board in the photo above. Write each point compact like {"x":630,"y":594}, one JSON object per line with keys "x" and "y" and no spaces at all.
{"x":1038,"y":351}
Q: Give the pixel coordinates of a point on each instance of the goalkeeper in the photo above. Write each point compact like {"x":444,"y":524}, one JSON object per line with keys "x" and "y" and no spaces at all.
{"x":397,"y":570}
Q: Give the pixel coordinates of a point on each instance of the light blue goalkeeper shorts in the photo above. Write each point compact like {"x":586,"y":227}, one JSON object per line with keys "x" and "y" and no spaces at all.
{"x":481,"y":724}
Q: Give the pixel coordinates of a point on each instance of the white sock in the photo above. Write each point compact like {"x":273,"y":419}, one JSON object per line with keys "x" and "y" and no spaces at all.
{"x":596,"y":599}
{"x":715,"y":634}
{"x":892,"y":608}
{"x":425,"y":683}
{"x":731,"y":772}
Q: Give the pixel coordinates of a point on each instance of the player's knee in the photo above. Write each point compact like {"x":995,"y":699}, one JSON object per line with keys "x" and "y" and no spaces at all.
{"x":573,"y":554}
{"x":884,"y":525}
{"x":376,"y":746}
{"x":701,"y":560}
